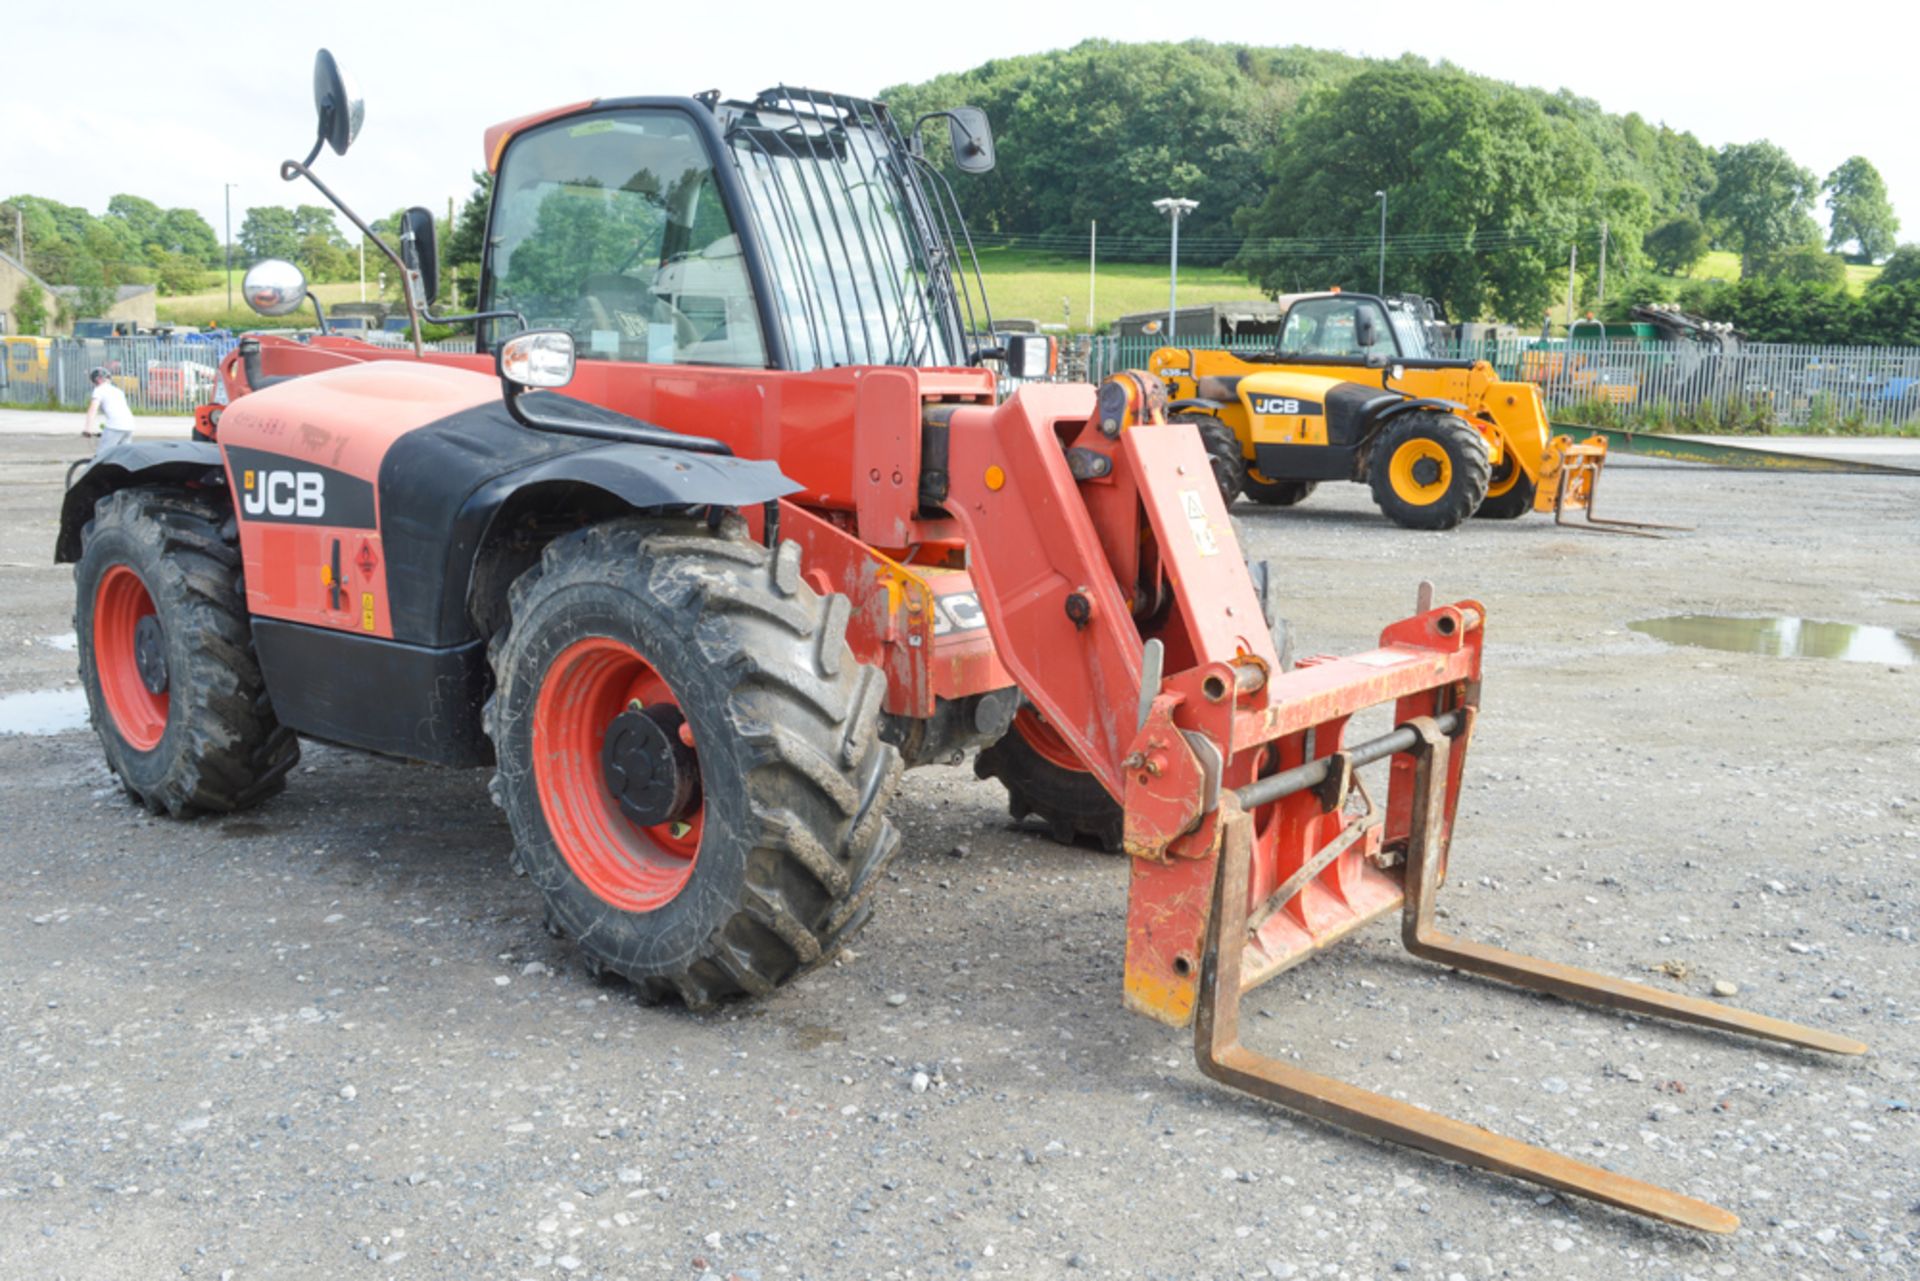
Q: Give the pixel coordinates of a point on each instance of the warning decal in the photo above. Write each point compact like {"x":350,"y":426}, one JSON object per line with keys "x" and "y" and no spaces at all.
{"x":1196,"y":513}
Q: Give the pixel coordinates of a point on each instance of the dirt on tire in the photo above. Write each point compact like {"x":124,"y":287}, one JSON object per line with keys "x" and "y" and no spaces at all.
{"x":222,"y":748}
{"x":795,"y":777}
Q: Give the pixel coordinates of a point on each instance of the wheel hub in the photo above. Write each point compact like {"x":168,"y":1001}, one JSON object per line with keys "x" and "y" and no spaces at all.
{"x":1426,"y":471}
{"x":648,"y":767}
{"x":150,"y":654}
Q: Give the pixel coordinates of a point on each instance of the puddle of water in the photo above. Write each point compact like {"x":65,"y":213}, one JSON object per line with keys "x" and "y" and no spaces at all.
{"x":1785,"y":638}
{"x":43,"y":711}
{"x":811,"y":1036}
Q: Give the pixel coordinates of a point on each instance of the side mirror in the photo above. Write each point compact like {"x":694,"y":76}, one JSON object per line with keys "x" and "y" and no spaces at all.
{"x":1030,"y":355}
{"x":1365,"y":332}
{"x":420,"y":251}
{"x":972,"y":139}
{"x":274,"y":287}
{"x":537,"y":358}
{"x":339,"y":108}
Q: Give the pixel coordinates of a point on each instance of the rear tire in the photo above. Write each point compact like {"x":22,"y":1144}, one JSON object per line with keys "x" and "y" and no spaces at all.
{"x":1509,"y":492}
{"x":1429,"y":471}
{"x":1223,"y":454}
{"x":1277,"y":493}
{"x":1035,"y":766}
{"x":790,"y":779}
{"x":160,"y":603}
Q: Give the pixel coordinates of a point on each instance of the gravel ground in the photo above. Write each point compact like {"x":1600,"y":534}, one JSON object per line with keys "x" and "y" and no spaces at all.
{"x":329,"y":1038}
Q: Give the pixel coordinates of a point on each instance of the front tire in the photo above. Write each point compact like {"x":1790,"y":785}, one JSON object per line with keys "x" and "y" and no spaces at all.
{"x":689,"y":757}
{"x":167,"y":657}
{"x":1043,"y":779}
{"x":1429,"y":471}
{"x":1509,"y":492}
{"x":1224,"y":456}
{"x":1277,"y":493}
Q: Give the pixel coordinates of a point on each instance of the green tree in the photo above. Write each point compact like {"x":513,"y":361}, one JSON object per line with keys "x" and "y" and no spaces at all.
{"x":317,"y":220}
{"x":1762,"y":201}
{"x":29,"y":311}
{"x":321,"y":259}
{"x":1903,"y":266}
{"x":141,"y":218}
{"x":1861,"y":213}
{"x":1102,"y":130}
{"x":269,"y":231}
{"x":1677,"y":244}
{"x":185,"y":232}
{"x":1806,"y":265}
{"x":1485,"y":189}
{"x":466,"y":244}
{"x":178,"y":274}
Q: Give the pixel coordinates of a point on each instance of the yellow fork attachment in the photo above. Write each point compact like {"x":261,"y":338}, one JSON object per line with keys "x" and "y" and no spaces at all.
{"x":1576,"y":484}
{"x":1221,"y":1055}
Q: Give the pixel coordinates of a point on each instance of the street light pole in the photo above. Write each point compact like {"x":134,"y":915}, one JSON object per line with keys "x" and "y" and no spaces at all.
{"x":229,"y":195}
{"x":1381,"y":287}
{"x":1174,"y":209}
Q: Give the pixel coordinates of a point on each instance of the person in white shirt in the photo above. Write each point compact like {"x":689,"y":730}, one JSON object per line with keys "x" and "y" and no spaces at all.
{"x":108,"y":413}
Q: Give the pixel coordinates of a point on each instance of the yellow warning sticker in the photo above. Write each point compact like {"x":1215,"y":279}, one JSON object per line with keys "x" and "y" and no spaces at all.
{"x":366,"y":611}
{"x":246,"y":480}
{"x":1196,"y":513}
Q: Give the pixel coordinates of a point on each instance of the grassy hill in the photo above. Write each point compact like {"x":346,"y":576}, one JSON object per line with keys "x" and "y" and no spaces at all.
{"x":1032,"y":286}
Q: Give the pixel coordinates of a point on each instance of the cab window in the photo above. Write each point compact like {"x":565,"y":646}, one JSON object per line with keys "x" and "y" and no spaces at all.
{"x":612,"y":228}
{"x":1329,"y":327}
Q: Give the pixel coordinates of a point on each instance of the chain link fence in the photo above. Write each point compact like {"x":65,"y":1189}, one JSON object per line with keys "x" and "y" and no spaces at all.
{"x":1692,"y":386}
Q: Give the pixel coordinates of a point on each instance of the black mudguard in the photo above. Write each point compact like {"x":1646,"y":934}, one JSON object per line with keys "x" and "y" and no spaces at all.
{"x":441,"y":488}
{"x":132,"y":462}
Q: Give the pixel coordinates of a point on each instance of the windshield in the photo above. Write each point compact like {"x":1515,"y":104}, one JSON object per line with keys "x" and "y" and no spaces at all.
{"x":858,"y":233}
{"x":612,"y":228}
{"x":1329,"y":327}
{"x":1410,"y":331}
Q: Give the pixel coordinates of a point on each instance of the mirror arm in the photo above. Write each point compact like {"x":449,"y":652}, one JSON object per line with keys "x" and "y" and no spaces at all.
{"x":291,"y":169}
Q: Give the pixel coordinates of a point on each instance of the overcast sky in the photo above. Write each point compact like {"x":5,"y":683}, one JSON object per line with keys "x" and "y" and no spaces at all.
{"x":170,"y":102}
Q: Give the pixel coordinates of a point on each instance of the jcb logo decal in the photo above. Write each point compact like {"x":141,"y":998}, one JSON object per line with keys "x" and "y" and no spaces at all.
{"x":300,"y":495}
{"x":1287,"y":405}
{"x":275,"y":488}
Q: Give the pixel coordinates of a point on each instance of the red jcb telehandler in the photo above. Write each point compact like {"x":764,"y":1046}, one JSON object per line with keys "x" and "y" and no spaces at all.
{"x":780,"y":535}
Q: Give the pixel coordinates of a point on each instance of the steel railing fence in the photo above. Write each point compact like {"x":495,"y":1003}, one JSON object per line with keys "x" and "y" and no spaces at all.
{"x":1753,"y":387}
{"x":159,"y":375}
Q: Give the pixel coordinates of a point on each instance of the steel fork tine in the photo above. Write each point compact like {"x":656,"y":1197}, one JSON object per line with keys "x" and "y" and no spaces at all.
{"x":1425,"y":853}
{"x":1221,"y":1056}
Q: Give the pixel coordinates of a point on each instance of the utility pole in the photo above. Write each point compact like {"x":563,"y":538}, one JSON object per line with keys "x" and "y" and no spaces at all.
{"x":1382,"y":287}
{"x":1603,"y":262}
{"x":1093,"y":247}
{"x":1174,"y":208}
{"x":229,"y":196}
{"x":363,"y":267}
{"x":1573,"y":259}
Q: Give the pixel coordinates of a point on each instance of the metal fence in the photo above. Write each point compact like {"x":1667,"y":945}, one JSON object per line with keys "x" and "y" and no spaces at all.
{"x":159,"y":375}
{"x":1755,"y":387}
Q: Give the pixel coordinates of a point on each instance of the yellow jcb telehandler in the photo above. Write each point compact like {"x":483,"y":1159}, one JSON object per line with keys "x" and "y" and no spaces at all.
{"x":1351,"y":392}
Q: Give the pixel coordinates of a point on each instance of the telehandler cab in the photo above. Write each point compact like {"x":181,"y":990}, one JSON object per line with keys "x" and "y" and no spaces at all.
{"x":1352,"y":391}
{"x":780,"y":536}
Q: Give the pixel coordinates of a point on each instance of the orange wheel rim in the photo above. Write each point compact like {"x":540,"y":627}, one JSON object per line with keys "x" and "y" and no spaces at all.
{"x":629,"y":866}
{"x":1046,"y":741}
{"x":138,"y":711}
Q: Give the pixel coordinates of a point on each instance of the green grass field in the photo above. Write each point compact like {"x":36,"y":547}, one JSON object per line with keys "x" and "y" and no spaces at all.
{"x":1033,"y":286}
{"x":209,"y":306}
